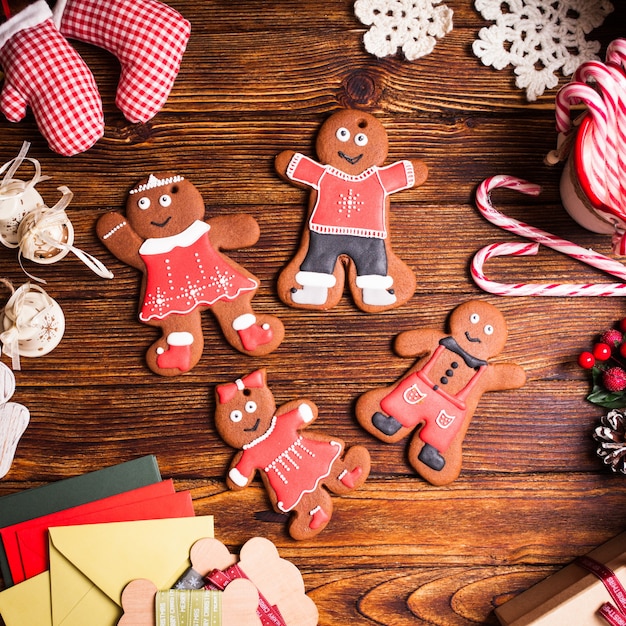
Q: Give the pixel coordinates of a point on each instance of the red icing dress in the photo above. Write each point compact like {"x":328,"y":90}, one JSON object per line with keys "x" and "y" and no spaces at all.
{"x":417,"y":399}
{"x":184,"y":271}
{"x":293,"y":464}
{"x":347,"y":204}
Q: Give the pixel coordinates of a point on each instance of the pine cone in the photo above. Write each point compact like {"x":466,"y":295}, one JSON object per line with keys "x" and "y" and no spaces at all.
{"x":611,"y":436}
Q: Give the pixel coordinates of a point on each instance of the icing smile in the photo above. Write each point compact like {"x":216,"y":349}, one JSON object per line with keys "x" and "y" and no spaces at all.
{"x":161,"y":224}
{"x":252,"y":429}
{"x":472,"y":339}
{"x":351,"y":160}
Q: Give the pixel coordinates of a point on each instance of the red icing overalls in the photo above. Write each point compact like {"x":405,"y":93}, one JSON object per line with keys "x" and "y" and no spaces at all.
{"x":417,"y":399}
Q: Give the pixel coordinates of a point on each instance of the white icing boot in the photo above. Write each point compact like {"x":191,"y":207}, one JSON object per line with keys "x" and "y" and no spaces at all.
{"x":315,"y":286}
{"x":376,"y":289}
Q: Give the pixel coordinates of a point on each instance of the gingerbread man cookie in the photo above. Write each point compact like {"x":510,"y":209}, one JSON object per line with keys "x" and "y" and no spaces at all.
{"x":348,"y":218}
{"x":185,"y":272}
{"x":441,"y":391}
{"x":298,"y":470}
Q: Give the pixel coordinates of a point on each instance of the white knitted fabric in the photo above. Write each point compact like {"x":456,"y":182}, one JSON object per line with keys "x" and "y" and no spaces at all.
{"x":539,"y":38}
{"x":409,"y":25}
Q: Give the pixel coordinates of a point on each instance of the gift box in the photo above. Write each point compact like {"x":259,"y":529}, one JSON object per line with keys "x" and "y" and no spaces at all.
{"x":576,"y":594}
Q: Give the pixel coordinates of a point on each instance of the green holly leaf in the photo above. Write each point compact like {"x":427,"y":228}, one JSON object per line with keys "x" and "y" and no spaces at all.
{"x":600,"y":396}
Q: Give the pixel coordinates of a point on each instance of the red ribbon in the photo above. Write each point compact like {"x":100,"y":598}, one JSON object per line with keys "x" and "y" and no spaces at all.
{"x":219,"y":579}
{"x":5,"y":8}
{"x":616,"y":616}
{"x":227,"y":392}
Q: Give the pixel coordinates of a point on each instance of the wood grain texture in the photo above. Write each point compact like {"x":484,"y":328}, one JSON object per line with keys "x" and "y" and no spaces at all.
{"x":258,"y":78}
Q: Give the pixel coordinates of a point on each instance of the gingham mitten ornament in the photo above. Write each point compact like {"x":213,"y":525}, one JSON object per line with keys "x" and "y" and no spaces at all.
{"x":42,"y":71}
{"x":148,"y":37}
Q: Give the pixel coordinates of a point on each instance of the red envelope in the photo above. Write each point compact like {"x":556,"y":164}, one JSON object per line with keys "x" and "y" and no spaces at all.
{"x":26,"y":543}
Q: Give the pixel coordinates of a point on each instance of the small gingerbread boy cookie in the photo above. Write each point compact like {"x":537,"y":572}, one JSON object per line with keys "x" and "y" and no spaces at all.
{"x":348,"y":218}
{"x":440,"y":393}
{"x":298,"y":470}
{"x":185,"y":272}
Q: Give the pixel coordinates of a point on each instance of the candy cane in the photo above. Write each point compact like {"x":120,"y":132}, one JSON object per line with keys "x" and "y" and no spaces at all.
{"x":612,"y":86}
{"x":616,"y":53}
{"x":577,"y":92}
{"x":533,"y":289}
{"x":538,"y":236}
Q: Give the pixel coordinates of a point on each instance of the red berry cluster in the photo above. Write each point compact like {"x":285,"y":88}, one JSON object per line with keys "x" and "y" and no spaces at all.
{"x":607,"y":360}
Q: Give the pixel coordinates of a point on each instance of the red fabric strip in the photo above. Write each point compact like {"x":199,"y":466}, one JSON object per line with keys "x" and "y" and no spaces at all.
{"x":5,"y":8}
{"x":608,"y":577}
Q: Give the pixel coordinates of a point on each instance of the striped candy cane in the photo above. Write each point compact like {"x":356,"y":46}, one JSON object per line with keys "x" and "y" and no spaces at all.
{"x":611,"y":84}
{"x":616,"y":53}
{"x":538,"y":236}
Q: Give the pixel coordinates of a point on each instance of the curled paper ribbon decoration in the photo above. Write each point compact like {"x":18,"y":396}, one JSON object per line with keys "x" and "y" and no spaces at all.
{"x":584,"y":255}
{"x":16,"y":195}
{"x":51,"y":227}
{"x":614,"y":615}
{"x":30,"y":315}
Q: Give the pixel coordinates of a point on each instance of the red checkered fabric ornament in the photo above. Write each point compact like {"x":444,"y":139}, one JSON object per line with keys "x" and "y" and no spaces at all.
{"x":43,"y":72}
{"x":148,"y":37}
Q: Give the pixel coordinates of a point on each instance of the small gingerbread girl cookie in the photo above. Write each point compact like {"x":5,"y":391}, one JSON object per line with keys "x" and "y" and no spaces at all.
{"x":348,"y":218}
{"x":185,"y":272}
{"x":298,"y":470}
{"x":441,"y":391}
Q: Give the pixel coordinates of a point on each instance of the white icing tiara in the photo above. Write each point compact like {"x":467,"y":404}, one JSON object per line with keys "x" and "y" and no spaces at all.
{"x":153,"y":182}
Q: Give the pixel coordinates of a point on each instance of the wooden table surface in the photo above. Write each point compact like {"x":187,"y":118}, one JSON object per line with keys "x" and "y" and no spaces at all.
{"x":259,"y":78}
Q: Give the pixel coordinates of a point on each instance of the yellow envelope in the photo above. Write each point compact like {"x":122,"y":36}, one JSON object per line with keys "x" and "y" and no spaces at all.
{"x":28,"y":603}
{"x":90,"y":565}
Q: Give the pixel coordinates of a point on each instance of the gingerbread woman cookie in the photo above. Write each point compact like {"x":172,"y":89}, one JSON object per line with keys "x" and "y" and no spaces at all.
{"x":185,"y":272}
{"x":348,"y":218}
{"x":441,"y":391}
{"x":298,"y":470}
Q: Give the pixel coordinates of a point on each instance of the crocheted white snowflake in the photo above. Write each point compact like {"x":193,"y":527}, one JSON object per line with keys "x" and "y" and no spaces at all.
{"x":539,"y":38}
{"x":411,"y":25}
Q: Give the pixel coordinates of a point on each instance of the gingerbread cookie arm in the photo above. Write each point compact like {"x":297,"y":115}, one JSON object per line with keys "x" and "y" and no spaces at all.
{"x":235,"y":479}
{"x":506,"y":376}
{"x":420,"y":171}
{"x":120,"y":239}
{"x":417,"y":343}
{"x":281,"y":163}
{"x":229,"y":232}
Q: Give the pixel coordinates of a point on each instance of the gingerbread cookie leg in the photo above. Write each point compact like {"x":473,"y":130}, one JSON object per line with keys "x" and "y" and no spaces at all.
{"x":375,"y":421}
{"x":180,"y":346}
{"x":311,"y":515}
{"x":436,"y":467}
{"x":251,"y":333}
{"x":306,"y":284}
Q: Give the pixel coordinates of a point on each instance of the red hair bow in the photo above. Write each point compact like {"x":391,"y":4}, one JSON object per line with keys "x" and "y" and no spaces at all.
{"x":252,"y":381}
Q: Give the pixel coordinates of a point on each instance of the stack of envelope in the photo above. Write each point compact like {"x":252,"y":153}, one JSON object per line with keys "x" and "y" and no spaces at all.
{"x":68,"y":549}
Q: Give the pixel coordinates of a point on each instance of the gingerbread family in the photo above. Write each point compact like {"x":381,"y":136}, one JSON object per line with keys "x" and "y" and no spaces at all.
{"x":185,"y":271}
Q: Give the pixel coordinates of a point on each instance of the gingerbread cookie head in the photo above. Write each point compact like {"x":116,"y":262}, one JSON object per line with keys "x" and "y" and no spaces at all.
{"x":244,"y":409}
{"x":479,"y":328}
{"x":163,"y":205}
{"x":352,"y":141}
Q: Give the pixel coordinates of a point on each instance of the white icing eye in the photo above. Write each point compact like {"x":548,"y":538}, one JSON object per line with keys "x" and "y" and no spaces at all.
{"x":250,"y":406}
{"x":361,"y":139}
{"x":165,"y":200}
{"x":236,"y":416}
{"x":143,"y":203}
{"x":488,"y":329}
{"x":474,"y":318}
{"x":343,"y":134}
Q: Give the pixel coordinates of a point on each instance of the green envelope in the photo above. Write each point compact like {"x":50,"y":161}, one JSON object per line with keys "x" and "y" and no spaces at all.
{"x":63,"y":494}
